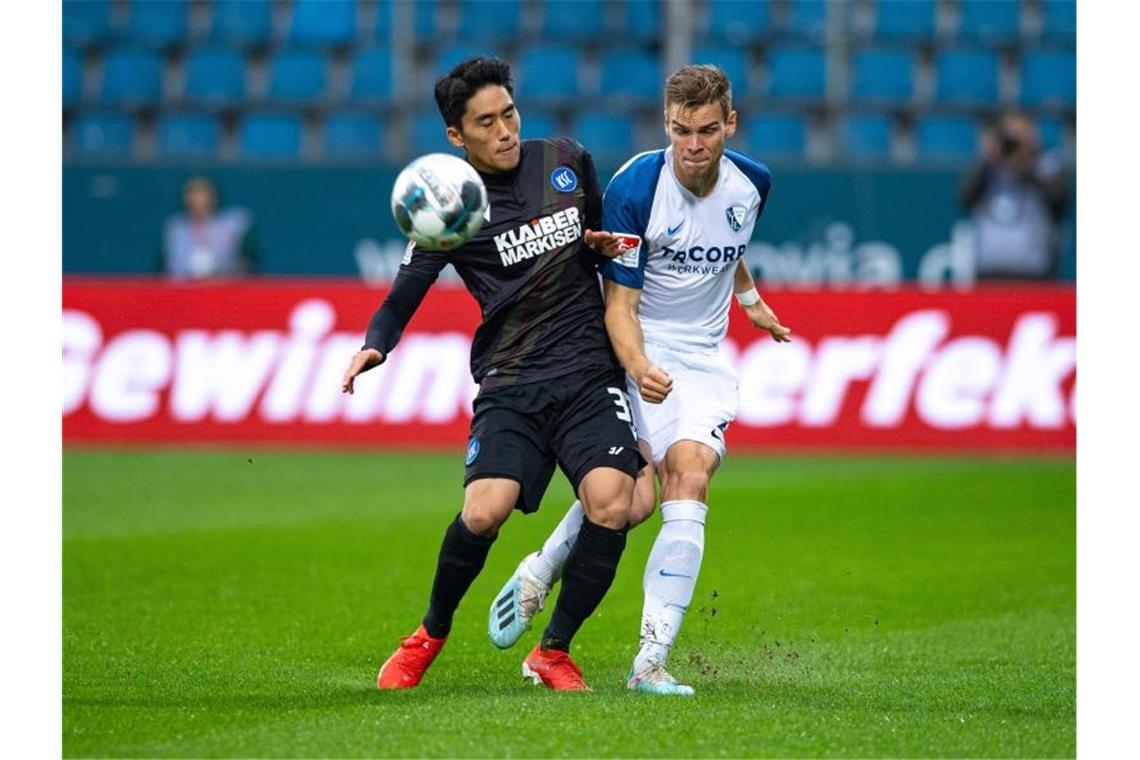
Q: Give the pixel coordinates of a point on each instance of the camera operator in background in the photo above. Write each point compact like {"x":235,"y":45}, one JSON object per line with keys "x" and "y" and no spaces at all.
{"x":1017,"y":198}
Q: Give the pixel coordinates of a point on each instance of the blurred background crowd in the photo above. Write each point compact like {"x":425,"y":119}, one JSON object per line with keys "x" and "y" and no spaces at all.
{"x":910,"y":140}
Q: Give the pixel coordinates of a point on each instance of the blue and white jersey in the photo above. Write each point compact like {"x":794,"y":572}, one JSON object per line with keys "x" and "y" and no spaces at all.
{"x":689,"y":246}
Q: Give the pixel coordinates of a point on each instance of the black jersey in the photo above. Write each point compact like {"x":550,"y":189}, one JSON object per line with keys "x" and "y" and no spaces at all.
{"x":528,"y":267}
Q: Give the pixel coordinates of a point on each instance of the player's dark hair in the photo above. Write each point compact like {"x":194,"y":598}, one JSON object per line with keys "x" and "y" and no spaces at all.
{"x":698,"y":85}
{"x":453,"y":90}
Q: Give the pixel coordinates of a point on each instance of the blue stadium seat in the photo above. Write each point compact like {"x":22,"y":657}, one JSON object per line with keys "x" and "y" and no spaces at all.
{"x":323,"y":22}
{"x":296,"y":76}
{"x":426,"y":134}
{"x":241,"y":23}
{"x":1051,"y":133}
{"x":491,"y":20}
{"x":989,"y":21}
{"x":884,"y":75}
{"x":966,"y":76}
{"x":549,"y":73}
{"x":738,"y":22}
{"x":865,"y":137}
{"x":946,"y":138}
{"x":808,"y":18}
{"x":638,"y":20}
{"x":1049,"y":78}
{"x":131,"y":77}
{"x":911,"y":20}
{"x":72,"y":77}
{"x":631,"y":74}
{"x":1059,"y":21}
{"x":103,"y":135}
{"x":732,"y":60}
{"x":353,"y":134}
{"x":265,"y":135}
{"x":611,"y":138}
{"x":538,"y":123}
{"x":450,"y":57}
{"x":371,"y":74}
{"x":86,"y":22}
{"x":161,"y":24}
{"x":215,"y":77}
{"x":777,"y":136}
{"x":797,"y":73}
{"x":188,"y":136}
{"x":571,"y":20}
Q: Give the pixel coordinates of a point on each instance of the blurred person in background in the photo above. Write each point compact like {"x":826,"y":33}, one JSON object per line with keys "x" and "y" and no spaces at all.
{"x":1017,"y":197}
{"x":204,"y":241}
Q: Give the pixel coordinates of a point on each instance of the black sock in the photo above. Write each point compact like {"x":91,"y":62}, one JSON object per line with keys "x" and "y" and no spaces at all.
{"x":461,"y":557}
{"x":586,"y":578}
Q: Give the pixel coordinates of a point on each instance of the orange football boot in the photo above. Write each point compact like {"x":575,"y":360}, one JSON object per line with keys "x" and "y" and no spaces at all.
{"x":554,"y":669}
{"x":407,"y":665}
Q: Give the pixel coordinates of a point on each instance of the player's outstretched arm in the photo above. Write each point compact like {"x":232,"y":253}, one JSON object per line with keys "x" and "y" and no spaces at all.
{"x":624,"y":329}
{"x":606,"y":243}
{"x":759,"y":313}
{"x":362,"y":361}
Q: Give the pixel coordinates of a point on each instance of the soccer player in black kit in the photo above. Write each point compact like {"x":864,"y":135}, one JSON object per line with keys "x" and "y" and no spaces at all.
{"x":551,"y":391}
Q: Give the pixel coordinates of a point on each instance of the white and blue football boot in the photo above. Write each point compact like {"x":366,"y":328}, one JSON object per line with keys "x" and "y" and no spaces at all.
{"x":523,"y":596}
{"x":654,"y":679}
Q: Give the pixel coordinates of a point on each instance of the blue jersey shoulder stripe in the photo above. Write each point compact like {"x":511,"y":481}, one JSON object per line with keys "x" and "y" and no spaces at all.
{"x":758,"y":174}
{"x":626,"y":206}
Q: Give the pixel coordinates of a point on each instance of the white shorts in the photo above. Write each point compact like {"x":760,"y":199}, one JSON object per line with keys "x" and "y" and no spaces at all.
{"x":703,"y":401}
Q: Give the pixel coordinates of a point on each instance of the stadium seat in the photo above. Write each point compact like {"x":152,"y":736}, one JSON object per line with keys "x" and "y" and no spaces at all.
{"x":491,"y":20}
{"x":638,"y":20}
{"x":72,"y":77}
{"x":538,"y":123}
{"x":946,"y":138}
{"x":371,"y":75}
{"x":323,"y":22}
{"x":160,"y":24}
{"x":966,"y":77}
{"x":610,"y":138}
{"x":1051,"y":133}
{"x":865,"y":137}
{"x":450,"y":57}
{"x":265,"y":135}
{"x":352,"y":134}
{"x":103,"y":135}
{"x":215,"y":77}
{"x":131,"y":77}
{"x":1059,"y":21}
{"x":426,"y":134}
{"x":631,"y":74}
{"x":188,"y":136}
{"x":736,"y":22}
{"x":808,"y":19}
{"x":296,"y":76}
{"x":989,"y":21}
{"x":777,"y":136}
{"x":549,"y":73}
{"x":905,"y":20}
{"x":797,"y":73}
{"x":86,"y":22}
{"x":571,"y":20}
{"x":732,"y":60}
{"x":1049,"y":78}
{"x":241,"y":23}
{"x":882,"y":75}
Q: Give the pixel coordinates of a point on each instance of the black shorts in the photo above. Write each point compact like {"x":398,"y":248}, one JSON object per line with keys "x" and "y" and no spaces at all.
{"x":579,"y":423}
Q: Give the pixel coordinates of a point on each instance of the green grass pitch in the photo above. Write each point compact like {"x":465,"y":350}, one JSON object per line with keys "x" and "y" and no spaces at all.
{"x":237,"y":603}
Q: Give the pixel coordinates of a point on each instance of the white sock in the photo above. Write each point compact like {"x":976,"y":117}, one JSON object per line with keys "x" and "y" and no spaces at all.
{"x":548,"y":563}
{"x":670,"y":577}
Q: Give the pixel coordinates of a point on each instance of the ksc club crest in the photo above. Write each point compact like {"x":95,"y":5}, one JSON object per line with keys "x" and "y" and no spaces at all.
{"x":735,"y":216}
{"x":472,"y":450}
{"x":563,"y":179}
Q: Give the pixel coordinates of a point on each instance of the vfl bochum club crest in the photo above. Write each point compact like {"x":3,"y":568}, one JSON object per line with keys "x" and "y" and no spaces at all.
{"x":564,"y":180}
{"x":735,"y":216}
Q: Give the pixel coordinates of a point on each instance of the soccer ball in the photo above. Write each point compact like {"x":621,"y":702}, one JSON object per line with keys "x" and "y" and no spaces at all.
{"x":439,"y":201}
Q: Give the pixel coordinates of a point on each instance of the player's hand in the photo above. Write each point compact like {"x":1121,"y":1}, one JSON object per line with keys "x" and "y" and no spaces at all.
{"x":765,"y":319}
{"x":606,"y":243}
{"x":362,"y":361}
{"x":654,"y":384}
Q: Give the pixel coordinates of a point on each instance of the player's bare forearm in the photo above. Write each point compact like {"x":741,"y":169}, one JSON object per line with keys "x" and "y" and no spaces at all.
{"x":624,"y":330}
{"x":742,"y":279}
{"x":362,"y":361}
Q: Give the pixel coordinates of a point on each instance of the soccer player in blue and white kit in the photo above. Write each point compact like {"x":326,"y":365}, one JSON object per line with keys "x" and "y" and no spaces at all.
{"x":692,"y":208}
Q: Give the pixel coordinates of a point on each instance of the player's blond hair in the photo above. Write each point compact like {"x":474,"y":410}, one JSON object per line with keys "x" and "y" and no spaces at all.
{"x":697,"y":85}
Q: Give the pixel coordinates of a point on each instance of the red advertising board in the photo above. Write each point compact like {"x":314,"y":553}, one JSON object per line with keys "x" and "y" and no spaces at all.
{"x":260,"y":361}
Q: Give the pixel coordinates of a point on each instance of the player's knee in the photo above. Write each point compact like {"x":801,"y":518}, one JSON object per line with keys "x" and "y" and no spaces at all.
{"x":688,"y":484}
{"x":484,"y":518}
